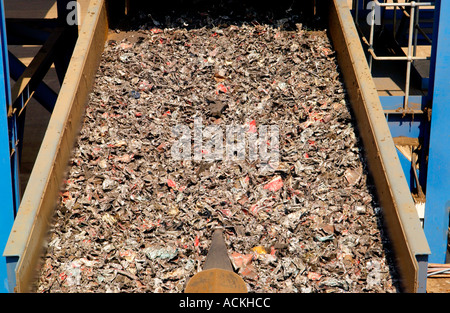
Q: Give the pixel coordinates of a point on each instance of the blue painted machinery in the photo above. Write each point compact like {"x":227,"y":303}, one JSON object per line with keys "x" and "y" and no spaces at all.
{"x":8,"y":160}
{"x":393,"y":33}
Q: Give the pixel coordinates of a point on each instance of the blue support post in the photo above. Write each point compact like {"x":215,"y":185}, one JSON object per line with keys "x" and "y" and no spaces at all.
{"x":8,"y":165}
{"x":437,"y":205}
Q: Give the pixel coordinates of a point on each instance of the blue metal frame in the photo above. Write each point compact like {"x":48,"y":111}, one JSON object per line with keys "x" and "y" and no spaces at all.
{"x":434,"y":175}
{"x":8,"y":163}
{"x":434,"y":134}
{"x":413,"y":126}
{"x":437,"y":205}
{"x":43,"y":93}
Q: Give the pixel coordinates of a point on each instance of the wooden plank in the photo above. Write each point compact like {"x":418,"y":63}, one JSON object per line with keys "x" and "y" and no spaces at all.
{"x":438,"y":285}
{"x":30,"y":228}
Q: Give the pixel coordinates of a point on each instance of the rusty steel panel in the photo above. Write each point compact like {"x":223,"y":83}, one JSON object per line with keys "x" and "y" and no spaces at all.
{"x":216,"y":280}
{"x":406,"y":234}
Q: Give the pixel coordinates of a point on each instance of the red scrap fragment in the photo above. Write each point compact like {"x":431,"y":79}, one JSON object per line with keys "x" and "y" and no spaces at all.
{"x":62,"y":276}
{"x":254,"y":209}
{"x":197,"y":241}
{"x":272,"y":250}
{"x":171,"y":183}
{"x":222,"y":88}
{"x":314,"y":276}
{"x":161,"y":147}
{"x":241,"y":260}
{"x":252,"y":127}
{"x":275,"y":184}
{"x":226,"y":212}
{"x":326,"y":51}
{"x":243,"y":263}
{"x":249,"y":272}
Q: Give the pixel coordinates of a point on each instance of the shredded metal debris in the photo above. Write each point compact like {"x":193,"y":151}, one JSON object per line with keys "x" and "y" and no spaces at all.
{"x":133,"y":219}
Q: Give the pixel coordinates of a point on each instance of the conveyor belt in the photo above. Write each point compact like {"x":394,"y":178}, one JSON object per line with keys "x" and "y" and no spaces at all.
{"x":26,"y":240}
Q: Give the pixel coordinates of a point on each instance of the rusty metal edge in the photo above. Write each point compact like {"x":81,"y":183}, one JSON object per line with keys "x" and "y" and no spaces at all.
{"x":404,"y":229}
{"x":26,"y":241}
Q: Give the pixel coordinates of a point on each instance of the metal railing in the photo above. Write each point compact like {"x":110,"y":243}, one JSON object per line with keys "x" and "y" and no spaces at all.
{"x":414,"y":28}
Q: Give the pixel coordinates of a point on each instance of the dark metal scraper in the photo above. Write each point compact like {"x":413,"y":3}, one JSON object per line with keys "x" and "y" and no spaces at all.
{"x":217,"y":275}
